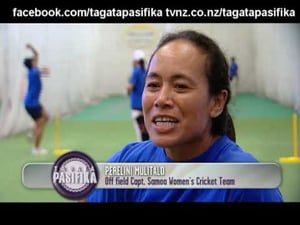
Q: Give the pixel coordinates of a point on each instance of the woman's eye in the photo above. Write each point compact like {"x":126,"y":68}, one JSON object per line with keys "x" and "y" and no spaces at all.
{"x":152,"y":85}
{"x":181,"y":87}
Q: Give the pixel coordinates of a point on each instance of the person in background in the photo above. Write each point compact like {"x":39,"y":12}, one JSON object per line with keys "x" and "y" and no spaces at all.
{"x":233,"y":75}
{"x":32,"y":102}
{"x":135,"y":91}
{"x":185,"y":101}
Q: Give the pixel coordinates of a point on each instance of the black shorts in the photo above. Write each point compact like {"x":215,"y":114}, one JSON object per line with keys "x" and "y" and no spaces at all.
{"x":35,"y":112}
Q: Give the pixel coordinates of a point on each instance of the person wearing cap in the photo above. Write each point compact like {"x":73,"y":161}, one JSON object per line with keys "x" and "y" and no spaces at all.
{"x":135,"y":91}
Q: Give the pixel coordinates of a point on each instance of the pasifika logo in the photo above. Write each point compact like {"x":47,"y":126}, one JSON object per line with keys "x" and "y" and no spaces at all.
{"x":75,"y":175}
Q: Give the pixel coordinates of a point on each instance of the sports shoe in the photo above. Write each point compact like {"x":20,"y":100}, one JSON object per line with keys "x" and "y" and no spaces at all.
{"x":39,"y":151}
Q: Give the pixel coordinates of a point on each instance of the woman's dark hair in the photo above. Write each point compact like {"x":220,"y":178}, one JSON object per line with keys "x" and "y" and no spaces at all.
{"x":230,"y":130}
{"x":216,"y":71}
{"x":141,"y":62}
{"x":28,"y":63}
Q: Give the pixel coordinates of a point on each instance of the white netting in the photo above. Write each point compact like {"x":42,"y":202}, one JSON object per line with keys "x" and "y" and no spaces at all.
{"x":85,"y":65}
{"x":91,"y":61}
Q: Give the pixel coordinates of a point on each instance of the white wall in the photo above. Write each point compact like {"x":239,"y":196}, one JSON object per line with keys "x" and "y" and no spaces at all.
{"x":237,"y":40}
{"x":277,"y":62}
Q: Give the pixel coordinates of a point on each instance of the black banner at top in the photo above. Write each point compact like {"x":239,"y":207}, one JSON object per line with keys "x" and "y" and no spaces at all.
{"x":147,"y":13}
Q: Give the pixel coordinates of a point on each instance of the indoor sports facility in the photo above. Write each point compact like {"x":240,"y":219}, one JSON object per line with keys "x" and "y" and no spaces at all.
{"x":85,"y":94}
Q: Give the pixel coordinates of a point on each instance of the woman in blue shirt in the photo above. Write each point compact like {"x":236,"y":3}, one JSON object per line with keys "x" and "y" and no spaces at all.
{"x":185,"y":102}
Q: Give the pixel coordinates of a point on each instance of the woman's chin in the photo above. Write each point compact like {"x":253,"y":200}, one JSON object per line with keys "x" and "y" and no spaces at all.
{"x":164,"y":142}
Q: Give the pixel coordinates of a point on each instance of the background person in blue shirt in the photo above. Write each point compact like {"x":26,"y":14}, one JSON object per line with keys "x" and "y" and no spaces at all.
{"x":32,"y":102}
{"x":185,"y":102}
{"x":135,"y":90}
{"x":233,"y":75}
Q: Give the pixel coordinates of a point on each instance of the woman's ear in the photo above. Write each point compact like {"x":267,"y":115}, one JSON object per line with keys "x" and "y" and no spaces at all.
{"x":218,"y":103}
